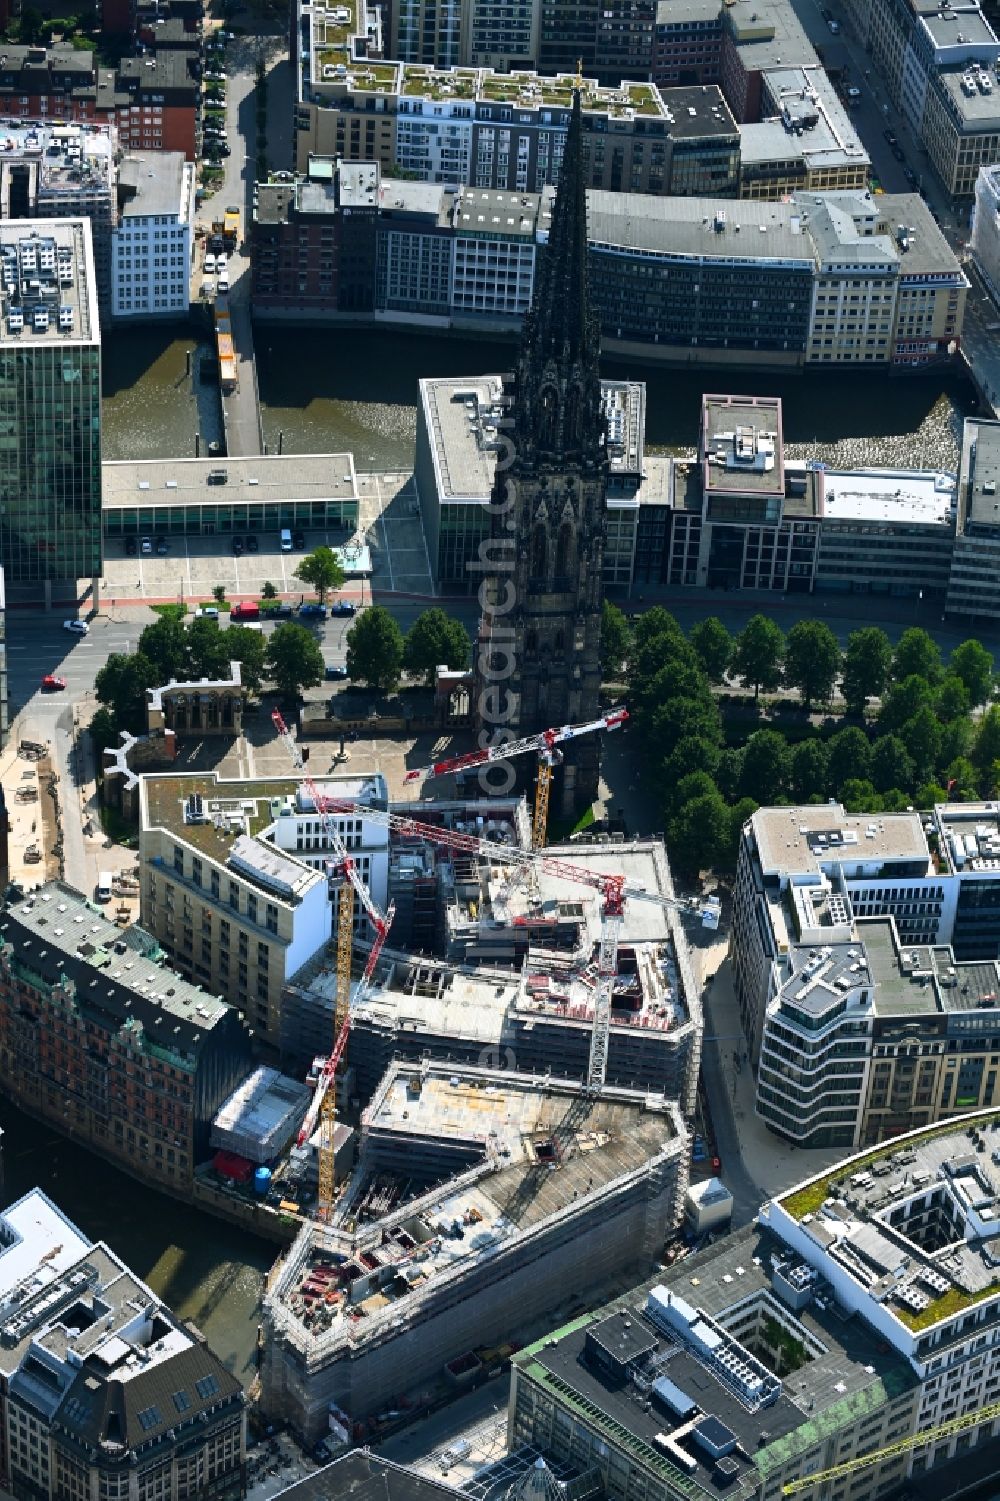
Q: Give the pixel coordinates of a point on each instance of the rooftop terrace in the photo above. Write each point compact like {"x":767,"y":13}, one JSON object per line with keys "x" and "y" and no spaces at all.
{"x":913,"y":1223}
{"x":230,"y":807}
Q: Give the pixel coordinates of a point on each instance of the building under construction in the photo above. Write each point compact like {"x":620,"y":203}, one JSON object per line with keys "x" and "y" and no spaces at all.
{"x":478,"y":1203}
{"x":537,"y":1013}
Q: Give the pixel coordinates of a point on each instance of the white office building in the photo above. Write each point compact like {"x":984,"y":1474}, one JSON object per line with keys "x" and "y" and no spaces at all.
{"x":151,"y":246}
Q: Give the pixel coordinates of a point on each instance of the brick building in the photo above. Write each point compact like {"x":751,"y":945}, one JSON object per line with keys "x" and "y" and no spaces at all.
{"x":107,"y":1043}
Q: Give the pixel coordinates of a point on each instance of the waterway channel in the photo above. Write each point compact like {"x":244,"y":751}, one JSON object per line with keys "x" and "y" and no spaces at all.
{"x":204,"y":1270}
{"x":333,"y":390}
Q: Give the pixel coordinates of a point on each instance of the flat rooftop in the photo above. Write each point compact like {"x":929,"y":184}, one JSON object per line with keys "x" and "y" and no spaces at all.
{"x":980,"y":473}
{"x":515,"y":1151}
{"x":768,"y":34}
{"x":742,"y":445}
{"x":844,"y":1369}
{"x":864,"y":1215}
{"x":252,"y":804}
{"x":699,"y":112}
{"x":72,"y":160}
{"x":797,"y":840}
{"x":274,"y":478}
{"x":36,"y":1240}
{"x":486,"y":211}
{"x":928,"y":250}
{"x":977,"y":111}
{"x":461,"y":418}
{"x":700,"y":227}
{"x":49,"y":283}
{"x":970,"y":835}
{"x":155,"y":182}
{"x":904,"y":497}
{"x":809,"y":110}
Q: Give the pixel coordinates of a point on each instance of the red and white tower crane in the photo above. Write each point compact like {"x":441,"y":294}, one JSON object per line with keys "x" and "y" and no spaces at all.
{"x":324,"y":1102}
{"x":614,"y":892}
{"x":546,"y":744}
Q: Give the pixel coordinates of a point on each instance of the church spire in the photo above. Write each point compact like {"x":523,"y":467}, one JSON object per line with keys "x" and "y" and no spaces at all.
{"x":558,"y":376}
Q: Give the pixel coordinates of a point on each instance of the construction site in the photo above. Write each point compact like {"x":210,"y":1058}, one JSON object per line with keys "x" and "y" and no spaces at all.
{"x":477,"y":1202}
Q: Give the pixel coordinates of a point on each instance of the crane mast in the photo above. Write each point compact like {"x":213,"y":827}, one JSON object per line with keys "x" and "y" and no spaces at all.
{"x":324,"y":1103}
{"x":546,"y":745}
{"x":613,"y":889}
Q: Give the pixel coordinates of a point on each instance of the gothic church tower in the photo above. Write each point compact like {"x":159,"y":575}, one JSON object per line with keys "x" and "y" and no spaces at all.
{"x":548,"y":508}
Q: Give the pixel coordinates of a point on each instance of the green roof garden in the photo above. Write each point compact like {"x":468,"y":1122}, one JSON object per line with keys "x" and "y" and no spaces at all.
{"x":429,"y":83}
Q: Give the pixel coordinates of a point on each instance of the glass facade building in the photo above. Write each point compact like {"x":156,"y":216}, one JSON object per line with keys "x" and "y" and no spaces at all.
{"x":50,"y":403}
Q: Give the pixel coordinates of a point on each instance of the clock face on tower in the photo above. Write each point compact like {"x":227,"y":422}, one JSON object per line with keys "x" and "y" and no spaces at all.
{"x":548,"y":510}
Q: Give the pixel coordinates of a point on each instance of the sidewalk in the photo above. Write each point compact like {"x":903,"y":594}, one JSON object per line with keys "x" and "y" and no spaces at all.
{"x":772,"y":1163}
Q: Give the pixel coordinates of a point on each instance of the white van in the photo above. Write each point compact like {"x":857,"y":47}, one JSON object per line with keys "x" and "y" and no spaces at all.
{"x":286,"y":539}
{"x":209,"y":263}
{"x":104,"y":880}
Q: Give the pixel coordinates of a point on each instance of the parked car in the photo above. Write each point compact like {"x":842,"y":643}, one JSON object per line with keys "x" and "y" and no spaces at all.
{"x":161,"y":547}
{"x":298,"y":539}
{"x":278,"y":612}
{"x":146,"y":547}
{"x":890,"y":137}
{"x":209,"y":612}
{"x":313,"y":611}
{"x":343,"y":607}
{"x":222,"y":284}
{"x":897,"y":152}
{"x":209,"y":263}
{"x":335,"y":674}
{"x":131,"y":547}
{"x":834,"y":27}
{"x":910,"y":175}
{"x":52,"y":684}
{"x":237,"y":546}
{"x":77,"y":627}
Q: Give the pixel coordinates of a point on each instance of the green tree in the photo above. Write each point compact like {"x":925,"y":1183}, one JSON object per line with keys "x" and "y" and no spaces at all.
{"x":249,"y":648}
{"x":956,"y":738}
{"x":728,"y":773}
{"x":294,"y":660}
{"x":738,"y":814}
{"x":165,"y":644}
{"x":916,"y":655}
{"x":268,"y":591}
{"x":986,"y":747}
{"x":896,"y":801}
{"x":809,"y":770}
{"x":616,"y":639}
{"x":929,"y":793}
{"x":435,"y":640}
{"x":692,"y":753}
{"x":682,"y":719}
{"x":375,"y":649}
{"x":699,"y":833}
{"x":321,"y":571}
{"x":922,"y":737}
{"x":891,"y":764}
{"x":951,"y":698}
{"x":866,"y":667}
{"x":695,"y":784}
{"x":974,"y":665}
{"x":812,"y":660}
{"x":850,"y":757}
{"x":760,"y":649}
{"x":961,"y":781}
{"x":653,"y":624}
{"x":219,"y":593}
{"x":207,"y":653}
{"x":766,"y":767}
{"x":121,"y":686}
{"x":859,"y":796}
{"x":30,"y":25}
{"x":714,"y":646}
{"x":902,"y":702}
{"x":103,"y":731}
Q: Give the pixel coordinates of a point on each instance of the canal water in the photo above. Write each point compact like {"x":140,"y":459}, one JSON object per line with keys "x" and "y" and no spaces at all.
{"x":203,"y":1269}
{"x":331,"y":390}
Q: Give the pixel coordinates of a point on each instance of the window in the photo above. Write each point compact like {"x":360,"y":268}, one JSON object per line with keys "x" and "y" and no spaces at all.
{"x":206,"y":1387}
{"x":150,"y":1418}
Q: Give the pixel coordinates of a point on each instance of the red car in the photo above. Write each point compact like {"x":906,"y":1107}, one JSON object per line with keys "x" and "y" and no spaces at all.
{"x":52,"y":684}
